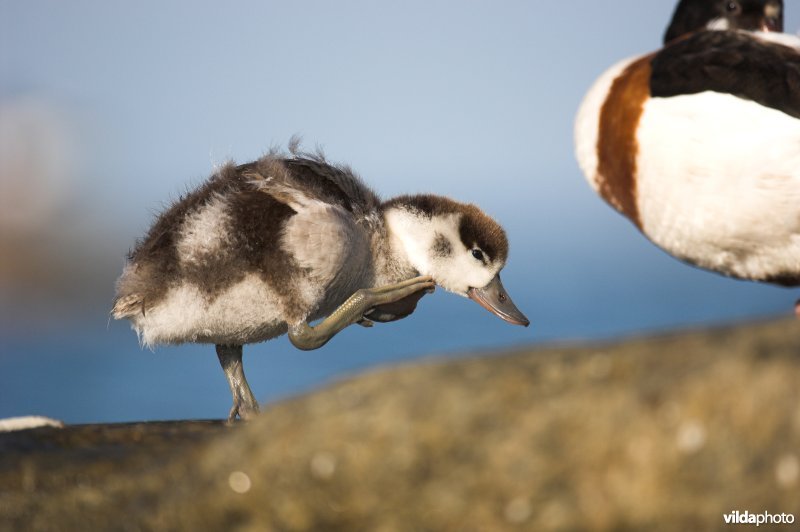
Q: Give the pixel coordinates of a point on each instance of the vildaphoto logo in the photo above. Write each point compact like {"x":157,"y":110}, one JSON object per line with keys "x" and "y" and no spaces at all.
{"x":764,"y":518}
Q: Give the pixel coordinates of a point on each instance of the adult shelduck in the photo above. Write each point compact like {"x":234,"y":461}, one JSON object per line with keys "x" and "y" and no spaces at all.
{"x":267,"y":247}
{"x":698,"y":144}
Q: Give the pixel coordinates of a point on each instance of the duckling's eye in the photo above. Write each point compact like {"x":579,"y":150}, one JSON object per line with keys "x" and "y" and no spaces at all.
{"x":732,"y":7}
{"x":478,"y":254}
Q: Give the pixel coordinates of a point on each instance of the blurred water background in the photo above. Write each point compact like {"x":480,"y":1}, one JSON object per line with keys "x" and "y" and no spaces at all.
{"x":108,"y":110}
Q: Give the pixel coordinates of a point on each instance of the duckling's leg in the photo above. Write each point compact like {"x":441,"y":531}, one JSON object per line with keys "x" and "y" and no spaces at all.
{"x":244,"y":404}
{"x":306,"y":337}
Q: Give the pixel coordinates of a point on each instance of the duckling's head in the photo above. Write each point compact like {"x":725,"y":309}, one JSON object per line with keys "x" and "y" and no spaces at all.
{"x":751,"y":15}
{"x":458,"y":245}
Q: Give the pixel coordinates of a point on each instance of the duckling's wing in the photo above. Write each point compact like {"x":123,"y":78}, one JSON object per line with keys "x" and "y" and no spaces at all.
{"x":301,"y":177}
{"x":337,"y":184}
{"x":327,"y":236}
{"x":331,"y":249}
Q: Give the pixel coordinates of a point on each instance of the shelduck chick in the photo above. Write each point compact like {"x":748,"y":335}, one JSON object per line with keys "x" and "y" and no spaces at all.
{"x":698,"y":144}
{"x":265,"y":248}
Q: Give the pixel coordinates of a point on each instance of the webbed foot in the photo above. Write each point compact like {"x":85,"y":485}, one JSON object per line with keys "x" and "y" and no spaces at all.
{"x":243,"y":410}
{"x":306,"y":337}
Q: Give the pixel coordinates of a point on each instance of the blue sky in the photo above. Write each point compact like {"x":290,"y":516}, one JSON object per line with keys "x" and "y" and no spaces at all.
{"x":461,"y":97}
{"x":471,"y":99}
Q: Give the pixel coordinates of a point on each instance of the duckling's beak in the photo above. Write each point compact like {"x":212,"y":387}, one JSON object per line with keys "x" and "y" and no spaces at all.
{"x":494,"y":298}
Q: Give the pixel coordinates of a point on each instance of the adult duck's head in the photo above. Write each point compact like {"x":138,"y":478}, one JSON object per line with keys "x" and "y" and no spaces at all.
{"x":751,"y":15}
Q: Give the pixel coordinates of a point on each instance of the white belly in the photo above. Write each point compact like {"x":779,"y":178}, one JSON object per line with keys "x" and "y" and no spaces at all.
{"x":718,"y":183}
{"x":246,"y":312}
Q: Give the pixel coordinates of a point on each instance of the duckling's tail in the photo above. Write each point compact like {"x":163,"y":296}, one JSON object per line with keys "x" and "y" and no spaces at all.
{"x":128,"y":306}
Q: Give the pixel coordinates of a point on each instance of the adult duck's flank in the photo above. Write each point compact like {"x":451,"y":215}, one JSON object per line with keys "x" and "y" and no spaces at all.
{"x":698,"y":143}
{"x":264,"y":248}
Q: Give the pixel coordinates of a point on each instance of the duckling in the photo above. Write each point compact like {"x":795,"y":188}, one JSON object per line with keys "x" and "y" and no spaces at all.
{"x":266,"y":248}
{"x":698,"y":143}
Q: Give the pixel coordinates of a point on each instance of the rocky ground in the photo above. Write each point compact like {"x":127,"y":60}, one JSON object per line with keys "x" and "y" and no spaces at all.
{"x":665,"y":433}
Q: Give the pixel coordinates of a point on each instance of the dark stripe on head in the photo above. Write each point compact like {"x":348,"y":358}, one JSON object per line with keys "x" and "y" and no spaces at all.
{"x":475,"y":228}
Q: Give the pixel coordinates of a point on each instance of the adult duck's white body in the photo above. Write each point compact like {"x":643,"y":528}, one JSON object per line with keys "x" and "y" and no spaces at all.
{"x":266,"y":247}
{"x":698,"y":144}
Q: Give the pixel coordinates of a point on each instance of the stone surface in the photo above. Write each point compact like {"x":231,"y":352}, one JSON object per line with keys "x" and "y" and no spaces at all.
{"x":666,"y":433}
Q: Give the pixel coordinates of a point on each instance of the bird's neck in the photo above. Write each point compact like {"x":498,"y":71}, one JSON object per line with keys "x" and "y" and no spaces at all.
{"x":405,"y":240}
